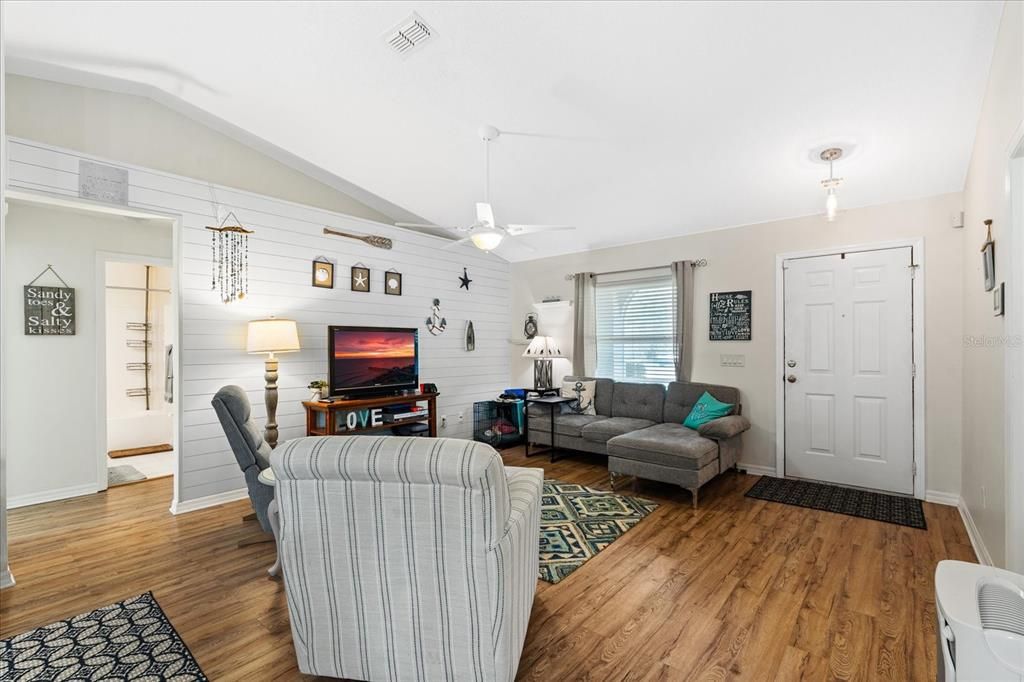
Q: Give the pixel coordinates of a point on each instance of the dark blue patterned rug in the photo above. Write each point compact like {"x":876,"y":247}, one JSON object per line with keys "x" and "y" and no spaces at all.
{"x":903,"y":511}
{"x":129,"y":640}
{"x":577,"y":522}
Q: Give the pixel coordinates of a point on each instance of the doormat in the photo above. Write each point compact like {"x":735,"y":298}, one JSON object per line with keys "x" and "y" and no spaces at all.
{"x":124,"y":473}
{"x":903,"y":511}
{"x":130,"y":640}
{"x":145,"y":450}
{"x":577,"y":522}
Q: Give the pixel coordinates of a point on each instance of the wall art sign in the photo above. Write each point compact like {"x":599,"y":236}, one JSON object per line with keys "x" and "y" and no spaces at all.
{"x":49,"y":311}
{"x":102,"y":183}
{"x":729,"y":316}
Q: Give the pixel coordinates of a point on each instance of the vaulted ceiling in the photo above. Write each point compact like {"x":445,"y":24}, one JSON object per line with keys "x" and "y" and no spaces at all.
{"x":646,"y":120}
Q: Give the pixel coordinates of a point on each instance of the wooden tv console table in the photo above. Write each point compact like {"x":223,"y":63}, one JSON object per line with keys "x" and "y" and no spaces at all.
{"x":364,"y":409}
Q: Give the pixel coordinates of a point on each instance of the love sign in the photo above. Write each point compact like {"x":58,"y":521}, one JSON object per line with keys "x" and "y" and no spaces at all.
{"x":361,"y":419}
{"x":49,"y":311}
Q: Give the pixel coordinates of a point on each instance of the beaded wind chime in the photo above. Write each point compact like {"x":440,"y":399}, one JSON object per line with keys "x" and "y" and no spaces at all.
{"x":229,"y":253}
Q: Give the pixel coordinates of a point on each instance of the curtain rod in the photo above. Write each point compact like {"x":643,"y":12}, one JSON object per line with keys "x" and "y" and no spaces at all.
{"x":698,"y":263}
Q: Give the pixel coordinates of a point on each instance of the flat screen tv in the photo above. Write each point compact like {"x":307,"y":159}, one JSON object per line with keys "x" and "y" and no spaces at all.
{"x":365,"y":361}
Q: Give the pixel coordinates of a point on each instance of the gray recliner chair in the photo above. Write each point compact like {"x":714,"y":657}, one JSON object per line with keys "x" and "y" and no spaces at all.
{"x":251,"y":451}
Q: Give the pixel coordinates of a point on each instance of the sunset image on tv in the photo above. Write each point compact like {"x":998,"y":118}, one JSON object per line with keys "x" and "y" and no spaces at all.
{"x":373,"y":358}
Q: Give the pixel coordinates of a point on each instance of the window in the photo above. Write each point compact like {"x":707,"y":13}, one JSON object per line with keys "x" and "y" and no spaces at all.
{"x":634,"y":324}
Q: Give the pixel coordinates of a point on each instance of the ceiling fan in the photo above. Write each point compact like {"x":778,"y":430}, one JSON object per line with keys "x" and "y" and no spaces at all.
{"x":485,"y":233}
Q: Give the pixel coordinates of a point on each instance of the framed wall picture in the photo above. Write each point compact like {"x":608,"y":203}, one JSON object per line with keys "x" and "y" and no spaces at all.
{"x":360,"y":278}
{"x":323,"y":274}
{"x":988,"y":258}
{"x":393,"y":283}
{"x":988,"y":262}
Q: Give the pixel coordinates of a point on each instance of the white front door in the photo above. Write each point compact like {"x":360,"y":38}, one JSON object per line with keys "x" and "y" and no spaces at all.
{"x":849,"y":369}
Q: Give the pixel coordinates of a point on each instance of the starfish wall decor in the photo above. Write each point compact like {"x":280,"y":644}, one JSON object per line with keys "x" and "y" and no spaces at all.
{"x":465,"y":280}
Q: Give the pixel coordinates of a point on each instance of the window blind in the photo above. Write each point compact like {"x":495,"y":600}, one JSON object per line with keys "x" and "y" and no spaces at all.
{"x":635,"y":320}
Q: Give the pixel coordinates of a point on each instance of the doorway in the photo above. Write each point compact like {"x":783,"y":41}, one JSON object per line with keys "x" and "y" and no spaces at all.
{"x":848,"y":368}
{"x":139,"y":353}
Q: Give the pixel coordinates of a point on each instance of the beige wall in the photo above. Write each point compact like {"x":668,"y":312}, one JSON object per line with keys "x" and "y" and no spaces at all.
{"x":744,"y":258}
{"x":137,"y":130}
{"x":986,"y":196}
{"x":52,"y":454}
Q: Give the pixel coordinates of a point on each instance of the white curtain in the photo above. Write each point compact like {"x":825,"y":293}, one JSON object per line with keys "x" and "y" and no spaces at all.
{"x":584,"y":325}
{"x":682,"y":276}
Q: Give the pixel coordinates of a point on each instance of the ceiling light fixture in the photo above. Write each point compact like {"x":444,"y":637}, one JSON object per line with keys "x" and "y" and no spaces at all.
{"x":486,"y":241}
{"x":831,"y":200}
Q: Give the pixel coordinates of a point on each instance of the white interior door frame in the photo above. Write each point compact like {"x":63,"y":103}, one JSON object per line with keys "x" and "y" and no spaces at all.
{"x":917,"y":247}
{"x":102,"y":258}
{"x":174,"y":263}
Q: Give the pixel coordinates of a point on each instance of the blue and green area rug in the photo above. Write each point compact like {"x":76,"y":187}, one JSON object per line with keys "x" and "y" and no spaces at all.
{"x":578,"y":522}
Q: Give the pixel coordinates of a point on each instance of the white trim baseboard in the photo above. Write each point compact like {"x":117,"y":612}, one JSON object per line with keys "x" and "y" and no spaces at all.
{"x":972,"y":532}
{"x":208,"y":501}
{"x":51,"y":495}
{"x":942,"y":497}
{"x":756,"y":469}
{"x":6,"y":577}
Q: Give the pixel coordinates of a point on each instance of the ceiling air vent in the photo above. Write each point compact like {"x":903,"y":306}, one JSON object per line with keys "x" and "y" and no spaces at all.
{"x":409,"y":35}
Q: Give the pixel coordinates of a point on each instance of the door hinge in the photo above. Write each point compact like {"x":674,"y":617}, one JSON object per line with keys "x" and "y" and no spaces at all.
{"x":913,"y":369}
{"x":913,"y":270}
{"x":913,"y":469}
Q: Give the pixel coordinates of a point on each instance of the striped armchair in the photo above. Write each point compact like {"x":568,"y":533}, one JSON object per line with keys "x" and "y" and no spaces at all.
{"x":406,"y":558}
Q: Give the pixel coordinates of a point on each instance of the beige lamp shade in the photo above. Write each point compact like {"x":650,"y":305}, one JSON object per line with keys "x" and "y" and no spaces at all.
{"x":272,"y":336}
{"x":542,"y":348}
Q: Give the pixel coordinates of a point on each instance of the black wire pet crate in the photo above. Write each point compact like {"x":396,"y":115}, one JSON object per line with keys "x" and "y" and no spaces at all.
{"x":499,"y":423}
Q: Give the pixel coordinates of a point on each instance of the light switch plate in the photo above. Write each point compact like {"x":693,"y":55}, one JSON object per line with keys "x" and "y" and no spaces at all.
{"x":731,"y":360}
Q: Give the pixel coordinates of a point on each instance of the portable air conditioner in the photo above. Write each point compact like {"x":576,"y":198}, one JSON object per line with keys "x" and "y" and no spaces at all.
{"x":981,"y":623}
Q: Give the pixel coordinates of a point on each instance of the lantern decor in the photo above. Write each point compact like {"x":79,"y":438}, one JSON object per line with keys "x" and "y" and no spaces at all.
{"x":229,"y":247}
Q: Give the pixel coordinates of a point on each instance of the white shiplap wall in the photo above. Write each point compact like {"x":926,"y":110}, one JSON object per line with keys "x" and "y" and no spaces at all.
{"x":287,"y":238}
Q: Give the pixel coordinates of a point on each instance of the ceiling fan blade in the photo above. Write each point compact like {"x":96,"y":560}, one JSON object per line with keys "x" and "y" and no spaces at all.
{"x":425,"y":226}
{"x":484,"y":214}
{"x":527,"y":229}
{"x":457,"y":242}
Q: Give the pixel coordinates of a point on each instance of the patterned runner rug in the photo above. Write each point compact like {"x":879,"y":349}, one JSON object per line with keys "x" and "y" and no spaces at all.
{"x":904,"y":511}
{"x":129,"y":640}
{"x":577,"y":522}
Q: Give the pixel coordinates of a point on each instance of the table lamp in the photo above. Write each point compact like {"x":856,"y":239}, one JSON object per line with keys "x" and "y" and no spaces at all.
{"x":542,"y":349}
{"x":272,"y":336}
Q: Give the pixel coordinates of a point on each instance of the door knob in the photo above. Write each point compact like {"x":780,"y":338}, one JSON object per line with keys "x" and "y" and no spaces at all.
{"x":791,"y":379}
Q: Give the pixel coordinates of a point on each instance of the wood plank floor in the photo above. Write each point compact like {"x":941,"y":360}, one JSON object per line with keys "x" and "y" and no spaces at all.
{"x":739,"y":589}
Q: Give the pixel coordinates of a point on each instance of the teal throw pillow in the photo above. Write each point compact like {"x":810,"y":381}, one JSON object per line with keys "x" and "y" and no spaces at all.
{"x":705,"y":409}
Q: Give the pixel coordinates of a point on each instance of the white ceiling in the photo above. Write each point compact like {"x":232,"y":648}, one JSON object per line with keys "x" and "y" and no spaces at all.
{"x":685,"y":117}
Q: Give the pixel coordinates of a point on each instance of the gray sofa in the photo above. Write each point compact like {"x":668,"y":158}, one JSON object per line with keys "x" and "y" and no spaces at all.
{"x":640,"y":428}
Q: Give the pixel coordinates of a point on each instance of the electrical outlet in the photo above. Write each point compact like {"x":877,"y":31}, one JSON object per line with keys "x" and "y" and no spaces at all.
{"x":462,"y":417}
{"x":444,"y":421}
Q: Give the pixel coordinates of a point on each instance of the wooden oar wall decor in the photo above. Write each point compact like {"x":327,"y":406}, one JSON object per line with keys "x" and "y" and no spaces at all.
{"x":371,"y":239}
